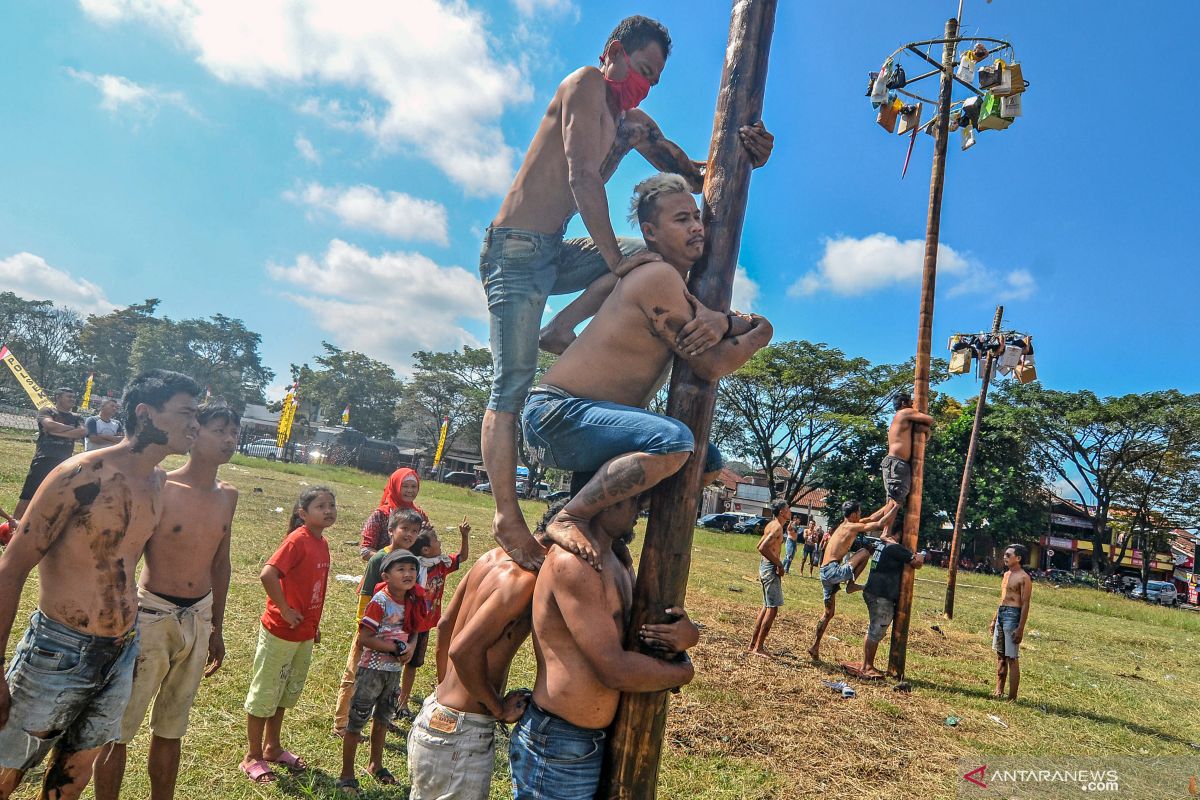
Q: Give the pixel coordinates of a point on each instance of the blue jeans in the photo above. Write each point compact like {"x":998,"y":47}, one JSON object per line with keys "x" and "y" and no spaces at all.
{"x":789,"y":552}
{"x":72,"y":684}
{"x":551,"y":758}
{"x":519,"y":270}
{"x":581,"y":435}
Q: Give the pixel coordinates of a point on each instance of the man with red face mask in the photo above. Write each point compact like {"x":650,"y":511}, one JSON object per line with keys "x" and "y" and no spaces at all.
{"x":592,"y":122}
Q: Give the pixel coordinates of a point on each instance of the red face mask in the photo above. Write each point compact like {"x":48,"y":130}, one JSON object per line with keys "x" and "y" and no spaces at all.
{"x":630,"y":91}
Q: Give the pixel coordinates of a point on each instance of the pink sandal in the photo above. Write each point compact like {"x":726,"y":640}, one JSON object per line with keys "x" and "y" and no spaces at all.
{"x":293,"y":762}
{"x":258,"y":771}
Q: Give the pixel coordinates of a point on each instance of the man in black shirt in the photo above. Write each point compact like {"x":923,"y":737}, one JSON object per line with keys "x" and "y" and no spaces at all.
{"x":58,"y":430}
{"x":881,"y":592}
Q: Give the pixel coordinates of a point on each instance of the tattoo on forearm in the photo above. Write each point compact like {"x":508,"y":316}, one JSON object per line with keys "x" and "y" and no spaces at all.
{"x":613,"y":484}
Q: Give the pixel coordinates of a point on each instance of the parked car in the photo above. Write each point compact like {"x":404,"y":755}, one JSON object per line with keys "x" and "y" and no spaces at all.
{"x":554,"y":497}
{"x":465,"y":479}
{"x":483,"y":487}
{"x":264,"y":448}
{"x":722,"y":522}
{"x":1161,"y":592}
{"x":753,"y":525}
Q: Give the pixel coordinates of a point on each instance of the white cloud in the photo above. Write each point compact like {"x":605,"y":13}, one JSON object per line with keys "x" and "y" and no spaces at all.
{"x":32,"y":278}
{"x":426,"y":66}
{"x":306,"y":150}
{"x":745,"y":291}
{"x":367,"y":208}
{"x":852,"y":267}
{"x":118,"y":93}
{"x":528,"y":8}
{"x":387,"y":306}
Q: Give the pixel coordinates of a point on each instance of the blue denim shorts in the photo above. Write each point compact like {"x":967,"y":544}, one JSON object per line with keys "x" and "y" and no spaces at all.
{"x":550,"y":757}
{"x":71,"y":686}
{"x":519,"y":270}
{"x":580,"y":435}
{"x":833,"y":575}
{"x":1008,"y":618}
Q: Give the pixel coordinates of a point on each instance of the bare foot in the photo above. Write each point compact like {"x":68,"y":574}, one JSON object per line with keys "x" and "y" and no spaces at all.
{"x":852,"y":587}
{"x":516,"y":540}
{"x":870,"y":673}
{"x":572,"y":534}
{"x":814,"y":653}
{"x":555,"y":338}
{"x":760,"y":653}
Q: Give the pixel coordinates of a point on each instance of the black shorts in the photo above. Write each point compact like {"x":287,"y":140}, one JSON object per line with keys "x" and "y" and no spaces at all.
{"x":418,"y":657}
{"x":38,"y":470}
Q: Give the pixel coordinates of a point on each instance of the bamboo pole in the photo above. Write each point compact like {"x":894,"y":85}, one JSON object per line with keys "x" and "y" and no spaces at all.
{"x":632,"y":760}
{"x":964,"y":491}
{"x":912,"y":512}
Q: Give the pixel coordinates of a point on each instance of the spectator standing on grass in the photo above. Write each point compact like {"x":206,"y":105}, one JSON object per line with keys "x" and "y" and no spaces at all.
{"x":104,"y":429}
{"x":399,"y":494}
{"x":1008,"y":626}
{"x":770,"y":573}
{"x":58,"y":430}
{"x":790,"y":540}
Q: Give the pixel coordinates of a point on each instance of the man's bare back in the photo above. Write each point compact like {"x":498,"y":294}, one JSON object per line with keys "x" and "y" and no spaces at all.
{"x":195,"y":522}
{"x":900,"y":432}
{"x":93,"y":518}
{"x":495,"y":605}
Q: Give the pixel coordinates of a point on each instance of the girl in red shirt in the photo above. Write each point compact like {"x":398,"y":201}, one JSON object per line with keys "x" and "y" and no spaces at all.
{"x":295,"y":579}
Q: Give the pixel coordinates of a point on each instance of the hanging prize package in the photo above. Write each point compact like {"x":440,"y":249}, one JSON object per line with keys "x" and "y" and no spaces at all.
{"x":990,"y":77}
{"x":888,"y":113}
{"x":980,"y":52}
{"x":960,"y":361}
{"x":1010,"y":106}
{"x":897,"y":79}
{"x":1011,"y":81}
{"x":910,"y":119}
{"x":970,"y":112}
{"x":966,"y":67}
{"x":1011,"y":358}
{"x":968,"y":137}
{"x":1025,"y":370}
{"x":989,"y":115}
{"x":879,"y":89}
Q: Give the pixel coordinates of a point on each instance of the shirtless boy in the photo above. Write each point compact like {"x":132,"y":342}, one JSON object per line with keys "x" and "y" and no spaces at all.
{"x":897,"y":473}
{"x":579,"y":620}
{"x":85,"y":531}
{"x":588,"y":414}
{"x":181,"y":605}
{"x":770,"y":572}
{"x":1008,"y":626}
{"x":592,"y":122}
{"x":834,"y":572}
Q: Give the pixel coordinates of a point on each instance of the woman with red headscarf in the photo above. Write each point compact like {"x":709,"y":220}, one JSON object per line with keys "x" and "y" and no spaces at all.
{"x":400,"y":492}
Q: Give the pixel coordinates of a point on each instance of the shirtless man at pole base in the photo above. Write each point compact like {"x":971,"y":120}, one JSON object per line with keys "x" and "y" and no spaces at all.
{"x":770,"y":573}
{"x":897,"y":472}
{"x":588,"y":414}
{"x":85,"y":531}
{"x":834,"y":572}
{"x":579,"y":620}
{"x":1008,"y":626}
{"x":592,"y":122}
{"x":181,"y":605}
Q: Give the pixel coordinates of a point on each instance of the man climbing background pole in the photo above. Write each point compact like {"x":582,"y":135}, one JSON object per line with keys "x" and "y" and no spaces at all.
{"x":631,"y":764}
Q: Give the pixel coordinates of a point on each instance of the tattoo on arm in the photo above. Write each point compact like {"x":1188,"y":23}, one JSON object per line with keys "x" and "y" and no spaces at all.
{"x":613,"y":483}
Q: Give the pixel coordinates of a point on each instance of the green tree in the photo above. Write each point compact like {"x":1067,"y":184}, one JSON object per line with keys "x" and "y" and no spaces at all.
{"x":346,"y":377}
{"x":106,"y":343}
{"x":219,"y":352}
{"x":1090,"y":444}
{"x":42,"y":335}
{"x":452,"y":384}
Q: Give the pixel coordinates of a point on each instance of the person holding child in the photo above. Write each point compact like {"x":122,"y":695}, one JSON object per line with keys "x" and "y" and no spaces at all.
{"x":295,"y":579}
{"x":386,"y":628}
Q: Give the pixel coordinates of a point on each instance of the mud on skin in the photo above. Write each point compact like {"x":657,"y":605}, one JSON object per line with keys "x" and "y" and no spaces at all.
{"x":147,"y":434}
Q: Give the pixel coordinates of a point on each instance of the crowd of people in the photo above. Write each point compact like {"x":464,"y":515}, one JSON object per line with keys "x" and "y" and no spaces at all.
{"x":105,"y":647}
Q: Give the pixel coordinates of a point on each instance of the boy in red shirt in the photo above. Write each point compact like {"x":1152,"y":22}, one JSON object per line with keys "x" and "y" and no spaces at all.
{"x":434,"y":569}
{"x":295,"y":578}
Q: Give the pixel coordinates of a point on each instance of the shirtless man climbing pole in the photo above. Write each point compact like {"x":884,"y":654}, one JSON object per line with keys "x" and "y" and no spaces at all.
{"x":85,"y":531}
{"x":588,"y":414}
{"x":592,"y":122}
{"x":897,"y":472}
{"x":834,"y":572}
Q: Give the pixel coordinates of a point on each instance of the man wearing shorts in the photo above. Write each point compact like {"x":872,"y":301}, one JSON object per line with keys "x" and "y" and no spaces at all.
{"x":58,"y":430}
{"x":181,"y":605}
{"x":881,"y":593}
{"x":588,"y":415}
{"x":1008,"y":626}
{"x":592,"y":122}
{"x":897,"y":474}
{"x":70,"y":678}
{"x":770,"y":574}
{"x":834,"y":571}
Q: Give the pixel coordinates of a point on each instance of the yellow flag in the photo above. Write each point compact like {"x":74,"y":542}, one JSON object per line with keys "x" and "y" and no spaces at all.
{"x":27,"y":382}
{"x":437,"y":458}
{"x":346,"y":415}
{"x":87,"y":392}
{"x":286,"y":416}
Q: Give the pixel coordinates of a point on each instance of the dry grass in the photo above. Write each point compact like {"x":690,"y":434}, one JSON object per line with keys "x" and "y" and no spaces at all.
{"x":1104,"y":675}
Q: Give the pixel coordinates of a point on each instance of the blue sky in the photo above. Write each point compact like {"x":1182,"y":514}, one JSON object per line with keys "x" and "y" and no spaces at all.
{"x":325,"y":170}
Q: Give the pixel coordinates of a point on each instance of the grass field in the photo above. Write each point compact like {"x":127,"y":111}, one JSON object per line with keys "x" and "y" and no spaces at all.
{"x":1102,"y":675}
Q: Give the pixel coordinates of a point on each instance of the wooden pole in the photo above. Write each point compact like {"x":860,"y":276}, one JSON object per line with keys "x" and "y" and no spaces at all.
{"x":989,"y":363}
{"x":632,"y":760}
{"x":912,"y":512}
